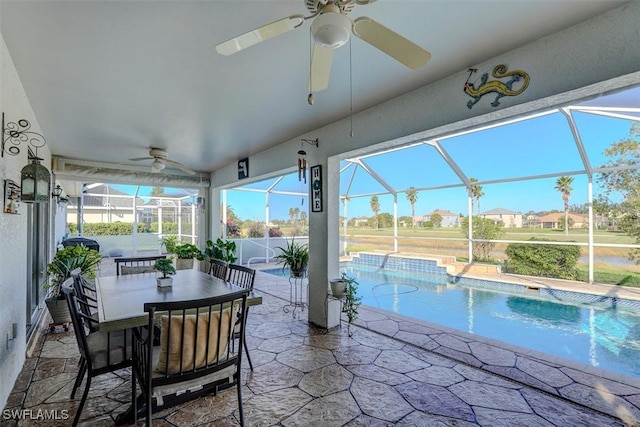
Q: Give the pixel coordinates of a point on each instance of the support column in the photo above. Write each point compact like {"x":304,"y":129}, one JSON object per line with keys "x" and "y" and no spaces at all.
{"x":324,"y":248}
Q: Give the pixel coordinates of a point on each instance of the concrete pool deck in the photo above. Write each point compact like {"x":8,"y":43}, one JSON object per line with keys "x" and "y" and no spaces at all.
{"x":604,"y":391}
{"x":393,"y":371}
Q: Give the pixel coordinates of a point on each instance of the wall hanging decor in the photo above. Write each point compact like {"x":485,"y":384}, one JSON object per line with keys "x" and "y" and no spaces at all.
{"x":316,"y":188}
{"x":518,"y":78}
{"x":35,"y":179}
{"x":243,"y":168}
{"x":11,"y":197}
{"x":15,"y":133}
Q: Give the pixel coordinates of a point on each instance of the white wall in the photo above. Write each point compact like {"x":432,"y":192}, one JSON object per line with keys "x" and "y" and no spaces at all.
{"x":13,"y":231}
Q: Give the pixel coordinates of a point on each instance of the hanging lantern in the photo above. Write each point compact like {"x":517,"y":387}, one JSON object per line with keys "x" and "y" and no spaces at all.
{"x":302,"y":166}
{"x":35,"y":182}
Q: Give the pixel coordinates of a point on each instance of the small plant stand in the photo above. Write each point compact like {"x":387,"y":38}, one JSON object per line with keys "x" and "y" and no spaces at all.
{"x":297,"y":292}
{"x":331,"y":297}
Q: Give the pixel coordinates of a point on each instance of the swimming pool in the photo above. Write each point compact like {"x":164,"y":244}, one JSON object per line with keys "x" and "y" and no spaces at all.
{"x":596,"y":334}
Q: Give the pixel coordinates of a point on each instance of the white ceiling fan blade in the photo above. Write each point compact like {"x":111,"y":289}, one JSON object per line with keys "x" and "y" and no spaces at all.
{"x":137,"y":159}
{"x":260,"y":34}
{"x":180,"y":166}
{"x":390,"y":42}
{"x":320,"y":68}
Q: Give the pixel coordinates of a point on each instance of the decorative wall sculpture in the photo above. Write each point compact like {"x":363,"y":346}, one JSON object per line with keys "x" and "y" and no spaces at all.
{"x":486,"y":86}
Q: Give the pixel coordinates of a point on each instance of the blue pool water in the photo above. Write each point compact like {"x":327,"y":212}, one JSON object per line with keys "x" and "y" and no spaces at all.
{"x":608,"y":338}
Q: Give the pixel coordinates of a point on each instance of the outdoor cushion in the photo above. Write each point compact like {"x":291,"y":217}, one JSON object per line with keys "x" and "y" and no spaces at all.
{"x":194,"y":341}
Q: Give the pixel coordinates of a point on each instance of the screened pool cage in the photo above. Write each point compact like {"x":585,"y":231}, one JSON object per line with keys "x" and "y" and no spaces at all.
{"x":506,"y":172}
{"x":131,"y":220}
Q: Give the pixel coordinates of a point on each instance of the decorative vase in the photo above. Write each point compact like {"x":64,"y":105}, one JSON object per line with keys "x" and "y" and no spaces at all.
{"x":164,"y":282}
{"x":338,"y":287}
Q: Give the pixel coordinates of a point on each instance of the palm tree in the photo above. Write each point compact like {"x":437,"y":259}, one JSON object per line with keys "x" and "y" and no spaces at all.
{"x":375,"y":207}
{"x":563,"y":185}
{"x":412,"y":197}
{"x":476,"y":193}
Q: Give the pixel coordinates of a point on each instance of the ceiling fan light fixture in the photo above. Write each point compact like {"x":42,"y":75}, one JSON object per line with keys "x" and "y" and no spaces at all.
{"x":158,"y":165}
{"x":331,"y":30}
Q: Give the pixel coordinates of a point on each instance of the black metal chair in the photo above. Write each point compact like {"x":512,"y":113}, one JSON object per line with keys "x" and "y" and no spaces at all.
{"x":100,"y":352}
{"x":195,"y":355}
{"x":244,"y":277}
{"x":218,"y":268}
{"x":135,"y":265}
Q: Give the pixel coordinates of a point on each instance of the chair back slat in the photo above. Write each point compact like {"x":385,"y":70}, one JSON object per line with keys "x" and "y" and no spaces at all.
{"x":241,"y":276}
{"x":218,"y":268}
{"x":135,"y":265}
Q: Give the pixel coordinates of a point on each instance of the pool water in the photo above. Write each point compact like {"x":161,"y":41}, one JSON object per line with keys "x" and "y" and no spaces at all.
{"x":607,"y":338}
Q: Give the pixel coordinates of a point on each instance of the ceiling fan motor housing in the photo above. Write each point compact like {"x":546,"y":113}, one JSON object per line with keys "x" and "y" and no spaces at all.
{"x":331,"y":29}
{"x":345,"y":6}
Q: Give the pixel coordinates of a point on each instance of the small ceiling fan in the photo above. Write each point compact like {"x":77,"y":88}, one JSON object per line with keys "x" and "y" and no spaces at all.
{"x":161,"y":160}
{"x":330,"y":30}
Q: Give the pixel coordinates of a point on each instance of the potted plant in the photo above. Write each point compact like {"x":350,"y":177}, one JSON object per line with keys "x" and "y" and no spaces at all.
{"x":185,"y":254}
{"x":223,"y":250}
{"x":346,"y":287}
{"x":164,"y":266}
{"x":59,"y":269}
{"x":295,"y":256}
{"x":169,"y":242}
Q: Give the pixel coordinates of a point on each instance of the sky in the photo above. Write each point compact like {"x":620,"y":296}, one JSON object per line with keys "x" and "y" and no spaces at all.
{"x":536,"y":147}
{"x":541,"y":146}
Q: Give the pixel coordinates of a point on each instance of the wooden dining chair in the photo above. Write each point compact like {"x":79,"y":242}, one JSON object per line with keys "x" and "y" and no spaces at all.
{"x":244,"y":277}
{"x":100,"y":352}
{"x":194,"y":356}
{"x":218,"y":268}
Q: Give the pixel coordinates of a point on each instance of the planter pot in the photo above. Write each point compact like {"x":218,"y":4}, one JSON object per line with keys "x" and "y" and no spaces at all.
{"x":338,"y":287}
{"x":59,"y":310}
{"x":184,"y":264}
{"x":165,"y":282}
{"x":298,"y":272}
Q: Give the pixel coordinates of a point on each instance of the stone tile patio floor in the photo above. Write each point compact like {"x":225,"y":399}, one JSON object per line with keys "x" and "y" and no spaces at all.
{"x":393,"y":371}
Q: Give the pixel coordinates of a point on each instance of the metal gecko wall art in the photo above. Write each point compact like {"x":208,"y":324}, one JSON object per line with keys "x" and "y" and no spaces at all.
{"x":487,"y":86}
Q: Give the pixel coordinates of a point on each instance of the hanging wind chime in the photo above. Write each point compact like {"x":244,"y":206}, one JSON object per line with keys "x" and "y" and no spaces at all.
{"x":302,"y":159}
{"x":302,"y":165}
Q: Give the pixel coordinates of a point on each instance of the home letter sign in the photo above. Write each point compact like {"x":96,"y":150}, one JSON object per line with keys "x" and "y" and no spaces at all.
{"x":243,"y":168}
{"x":316,"y":188}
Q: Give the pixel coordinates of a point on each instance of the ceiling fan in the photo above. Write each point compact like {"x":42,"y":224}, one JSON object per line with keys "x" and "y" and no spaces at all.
{"x":330,"y":30}
{"x":161,"y":160}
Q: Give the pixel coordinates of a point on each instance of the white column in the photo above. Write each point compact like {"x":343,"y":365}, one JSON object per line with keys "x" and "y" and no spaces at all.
{"x":324,"y":248}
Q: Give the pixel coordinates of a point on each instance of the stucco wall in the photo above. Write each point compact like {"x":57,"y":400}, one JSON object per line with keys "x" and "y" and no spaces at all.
{"x":13,"y":232}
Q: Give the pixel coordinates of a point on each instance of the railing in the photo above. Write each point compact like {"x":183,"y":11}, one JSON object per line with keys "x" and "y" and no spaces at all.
{"x":251,"y":250}
{"x":269,"y":251}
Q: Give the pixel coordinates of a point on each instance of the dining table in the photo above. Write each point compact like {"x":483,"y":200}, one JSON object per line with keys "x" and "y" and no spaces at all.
{"x":121,"y":302}
{"x":121,"y":298}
